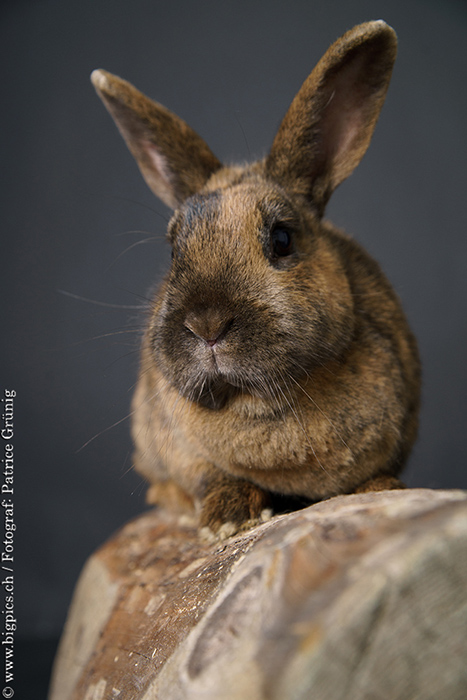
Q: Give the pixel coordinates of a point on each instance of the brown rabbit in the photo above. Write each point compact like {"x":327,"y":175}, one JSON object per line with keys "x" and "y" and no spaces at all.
{"x":276,"y":358}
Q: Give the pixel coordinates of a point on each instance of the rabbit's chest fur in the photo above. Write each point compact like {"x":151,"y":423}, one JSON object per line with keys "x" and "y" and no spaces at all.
{"x":327,"y":433}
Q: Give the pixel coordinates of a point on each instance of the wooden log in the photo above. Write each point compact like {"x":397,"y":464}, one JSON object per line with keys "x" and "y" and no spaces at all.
{"x":362,"y":597}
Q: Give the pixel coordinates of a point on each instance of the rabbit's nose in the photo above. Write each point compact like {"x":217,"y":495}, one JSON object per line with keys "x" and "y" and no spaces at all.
{"x":210,"y":325}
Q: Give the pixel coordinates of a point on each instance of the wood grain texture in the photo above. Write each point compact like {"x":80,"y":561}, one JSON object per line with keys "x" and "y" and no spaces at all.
{"x":359,"y":597}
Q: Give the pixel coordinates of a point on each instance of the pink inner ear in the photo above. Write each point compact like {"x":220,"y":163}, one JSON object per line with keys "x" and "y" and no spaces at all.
{"x":344,"y":115}
{"x":341,"y":124}
{"x":158,"y":162}
{"x":346,"y":135}
{"x":157,"y":172}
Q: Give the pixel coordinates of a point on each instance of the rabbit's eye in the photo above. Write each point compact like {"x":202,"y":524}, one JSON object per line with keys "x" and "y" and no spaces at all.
{"x":281,"y":240}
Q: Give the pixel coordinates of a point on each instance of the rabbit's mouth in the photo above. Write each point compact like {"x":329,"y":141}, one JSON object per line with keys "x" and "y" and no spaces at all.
{"x":220,"y":384}
{"x":215,"y":394}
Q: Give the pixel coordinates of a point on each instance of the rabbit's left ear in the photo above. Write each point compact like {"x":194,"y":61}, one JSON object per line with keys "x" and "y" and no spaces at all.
{"x":329,"y":124}
{"x":174,"y":160}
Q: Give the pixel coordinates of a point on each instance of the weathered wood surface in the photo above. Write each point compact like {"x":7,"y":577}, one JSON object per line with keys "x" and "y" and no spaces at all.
{"x":360,"y":597}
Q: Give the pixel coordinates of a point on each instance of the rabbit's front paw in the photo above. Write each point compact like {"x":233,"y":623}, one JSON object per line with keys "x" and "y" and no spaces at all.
{"x":231,"y":504}
{"x":380,"y":483}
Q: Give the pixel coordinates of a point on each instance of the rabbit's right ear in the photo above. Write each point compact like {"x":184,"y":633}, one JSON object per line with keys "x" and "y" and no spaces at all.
{"x":329,"y":124}
{"x":174,"y":160}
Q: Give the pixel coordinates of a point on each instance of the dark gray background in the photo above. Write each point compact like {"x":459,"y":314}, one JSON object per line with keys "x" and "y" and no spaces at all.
{"x":72,"y":200}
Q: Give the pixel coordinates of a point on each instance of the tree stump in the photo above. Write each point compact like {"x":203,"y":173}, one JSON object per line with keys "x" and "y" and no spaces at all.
{"x":362,"y":597}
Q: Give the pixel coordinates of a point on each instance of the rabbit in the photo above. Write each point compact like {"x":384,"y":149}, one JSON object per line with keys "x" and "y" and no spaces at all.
{"x":276,"y":359}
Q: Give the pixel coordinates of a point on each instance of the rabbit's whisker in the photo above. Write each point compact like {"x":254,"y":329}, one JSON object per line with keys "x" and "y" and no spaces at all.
{"x":100,"y":303}
{"x":302,"y":428}
{"x":127,"y":250}
{"x":105,"y":430}
{"x":331,"y":423}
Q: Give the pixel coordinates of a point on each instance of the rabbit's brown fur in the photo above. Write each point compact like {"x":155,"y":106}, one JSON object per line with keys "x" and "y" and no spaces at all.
{"x":277,"y":359}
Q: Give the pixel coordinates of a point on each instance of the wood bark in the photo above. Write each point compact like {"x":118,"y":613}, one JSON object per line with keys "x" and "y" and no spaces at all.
{"x":362,"y":597}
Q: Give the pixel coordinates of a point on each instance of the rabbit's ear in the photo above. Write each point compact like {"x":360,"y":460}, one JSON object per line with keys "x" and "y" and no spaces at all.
{"x":329,"y":124}
{"x":173,"y":159}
